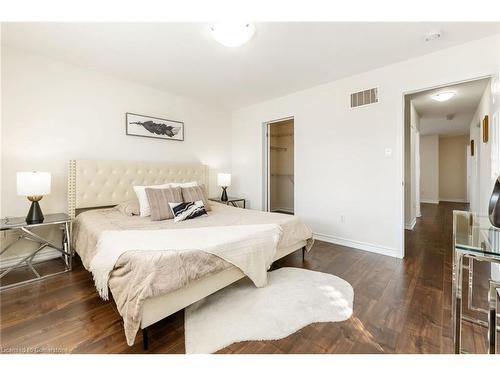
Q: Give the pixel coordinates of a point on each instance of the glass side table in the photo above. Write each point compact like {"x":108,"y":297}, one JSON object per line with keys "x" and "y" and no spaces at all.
{"x":474,"y":238}
{"x":25,"y":232}
{"x":231,"y":201}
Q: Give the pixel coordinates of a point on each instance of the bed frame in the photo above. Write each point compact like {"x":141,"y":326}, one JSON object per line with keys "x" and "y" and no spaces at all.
{"x":104,"y":183}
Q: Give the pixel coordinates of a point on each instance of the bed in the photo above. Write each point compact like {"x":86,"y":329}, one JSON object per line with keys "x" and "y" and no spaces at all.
{"x":147,"y":287}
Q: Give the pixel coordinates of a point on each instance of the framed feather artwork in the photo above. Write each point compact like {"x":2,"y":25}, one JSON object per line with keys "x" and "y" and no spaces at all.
{"x":154,"y":127}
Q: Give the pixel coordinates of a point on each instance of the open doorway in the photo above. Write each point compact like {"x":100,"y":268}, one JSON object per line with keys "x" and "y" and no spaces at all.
{"x":280,"y":191}
{"x":445,"y":153}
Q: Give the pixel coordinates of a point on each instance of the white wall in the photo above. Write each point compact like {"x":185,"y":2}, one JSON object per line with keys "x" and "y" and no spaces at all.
{"x":484,"y":172}
{"x":1,"y":111}
{"x":429,"y":169}
{"x":53,"y":112}
{"x":486,"y":162}
{"x":345,"y":149}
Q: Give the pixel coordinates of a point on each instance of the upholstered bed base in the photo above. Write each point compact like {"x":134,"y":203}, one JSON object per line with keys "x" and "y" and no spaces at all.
{"x":102,"y":183}
{"x":155,"y":309}
{"x":158,"y":308}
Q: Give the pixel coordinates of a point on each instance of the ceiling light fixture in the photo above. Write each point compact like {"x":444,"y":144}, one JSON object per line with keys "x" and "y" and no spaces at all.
{"x":443,"y":96}
{"x":232,"y":34}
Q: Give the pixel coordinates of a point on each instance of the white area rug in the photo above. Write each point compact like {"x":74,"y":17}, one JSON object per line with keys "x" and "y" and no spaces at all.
{"x":293,"y":299}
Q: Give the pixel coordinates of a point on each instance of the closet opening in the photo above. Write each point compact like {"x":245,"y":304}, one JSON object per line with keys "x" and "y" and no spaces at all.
{"x":279,"y":157}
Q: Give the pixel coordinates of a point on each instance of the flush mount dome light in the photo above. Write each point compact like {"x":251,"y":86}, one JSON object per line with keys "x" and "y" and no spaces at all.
{"x":232,"y":34}
{"x":443,"y":96}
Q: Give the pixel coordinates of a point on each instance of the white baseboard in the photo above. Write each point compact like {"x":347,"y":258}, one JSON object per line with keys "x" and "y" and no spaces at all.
{"x":372,"y":248}
{"x":458,"y":200}
{"x":430,"y":201}
{"x":43,"y":255}
{"x":410,"y":226}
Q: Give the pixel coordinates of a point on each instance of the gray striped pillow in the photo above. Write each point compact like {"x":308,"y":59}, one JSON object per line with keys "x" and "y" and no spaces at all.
{"x":159,"y":200}
{"x":196,"y":193}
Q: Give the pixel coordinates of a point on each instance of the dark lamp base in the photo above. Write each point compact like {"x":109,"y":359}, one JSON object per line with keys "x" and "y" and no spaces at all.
{"x":35,"y":215}
{"x":223,"y":197}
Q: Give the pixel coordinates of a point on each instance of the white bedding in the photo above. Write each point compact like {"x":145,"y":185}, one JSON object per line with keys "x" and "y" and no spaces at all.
{"x":251,"y":248}
{"x":140,"y":275}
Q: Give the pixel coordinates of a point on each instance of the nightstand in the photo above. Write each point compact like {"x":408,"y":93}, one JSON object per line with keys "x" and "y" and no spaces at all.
{"x":231,"y":201}
{"x":25,"y":232}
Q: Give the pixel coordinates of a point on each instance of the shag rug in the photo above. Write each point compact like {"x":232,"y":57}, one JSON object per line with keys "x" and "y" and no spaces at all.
{"x":292,"y":299}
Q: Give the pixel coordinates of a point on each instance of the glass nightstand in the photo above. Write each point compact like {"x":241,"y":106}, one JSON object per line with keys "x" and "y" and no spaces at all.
{"x":231,"y":201}
{"x":476,"y":239}
{"x":25,"y":232}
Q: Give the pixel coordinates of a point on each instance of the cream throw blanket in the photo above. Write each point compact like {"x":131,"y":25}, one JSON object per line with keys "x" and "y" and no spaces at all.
{"x":251,"y":248}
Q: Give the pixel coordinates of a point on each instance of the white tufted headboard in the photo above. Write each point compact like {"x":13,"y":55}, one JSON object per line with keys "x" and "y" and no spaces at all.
{"x":101,"y":183}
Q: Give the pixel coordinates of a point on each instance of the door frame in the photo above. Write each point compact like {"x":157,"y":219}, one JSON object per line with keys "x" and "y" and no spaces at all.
{"x":418,"y":213}
{"x":402,"y":148}
{"x":266,"y":180}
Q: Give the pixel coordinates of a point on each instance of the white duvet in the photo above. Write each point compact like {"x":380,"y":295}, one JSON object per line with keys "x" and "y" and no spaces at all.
{"x":251,"y":248}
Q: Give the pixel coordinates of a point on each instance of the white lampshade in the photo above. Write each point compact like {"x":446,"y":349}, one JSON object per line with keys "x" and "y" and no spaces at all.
{"x":224,"y":179}
{"x":33,"y":183}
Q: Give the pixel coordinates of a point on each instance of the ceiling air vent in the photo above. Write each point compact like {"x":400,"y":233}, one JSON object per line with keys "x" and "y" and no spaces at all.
{"x":366,"y":97}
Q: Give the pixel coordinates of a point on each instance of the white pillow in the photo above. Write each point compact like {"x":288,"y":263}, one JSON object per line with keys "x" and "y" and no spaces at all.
{"x":183,"y":184}
{"x":140,"y":191}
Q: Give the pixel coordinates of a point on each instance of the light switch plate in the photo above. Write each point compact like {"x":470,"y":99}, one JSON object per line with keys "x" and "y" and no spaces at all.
{"x":388,"y":152}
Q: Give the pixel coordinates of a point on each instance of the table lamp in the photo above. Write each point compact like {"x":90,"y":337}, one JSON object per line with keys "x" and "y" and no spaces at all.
{"x":224,"y":180}
{"x":33,"y":185}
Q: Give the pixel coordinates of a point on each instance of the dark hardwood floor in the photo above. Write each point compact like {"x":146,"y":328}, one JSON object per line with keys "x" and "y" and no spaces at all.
{"x":400,"y":306}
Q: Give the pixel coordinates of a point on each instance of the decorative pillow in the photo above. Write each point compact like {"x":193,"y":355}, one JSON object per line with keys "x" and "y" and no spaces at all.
{"x":140,"y":191}
{"x":187,"y":210}
{"x":143,"y":199}
{"x":129,"y":208}
{"x":159,"y":200}
{"x":196,"y":193}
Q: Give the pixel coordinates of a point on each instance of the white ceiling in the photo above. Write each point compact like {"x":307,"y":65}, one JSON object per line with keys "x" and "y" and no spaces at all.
{"x":182,"y":58}
{"x":461,"y":107}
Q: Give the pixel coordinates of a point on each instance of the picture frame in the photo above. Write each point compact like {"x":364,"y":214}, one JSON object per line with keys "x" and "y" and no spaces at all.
{"x":485,"y":129}
{"x":153,"y":127}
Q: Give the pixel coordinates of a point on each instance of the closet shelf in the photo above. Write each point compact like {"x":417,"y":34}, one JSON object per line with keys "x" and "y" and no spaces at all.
{"x":282,"y":135}
{"x":275,"y":148}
